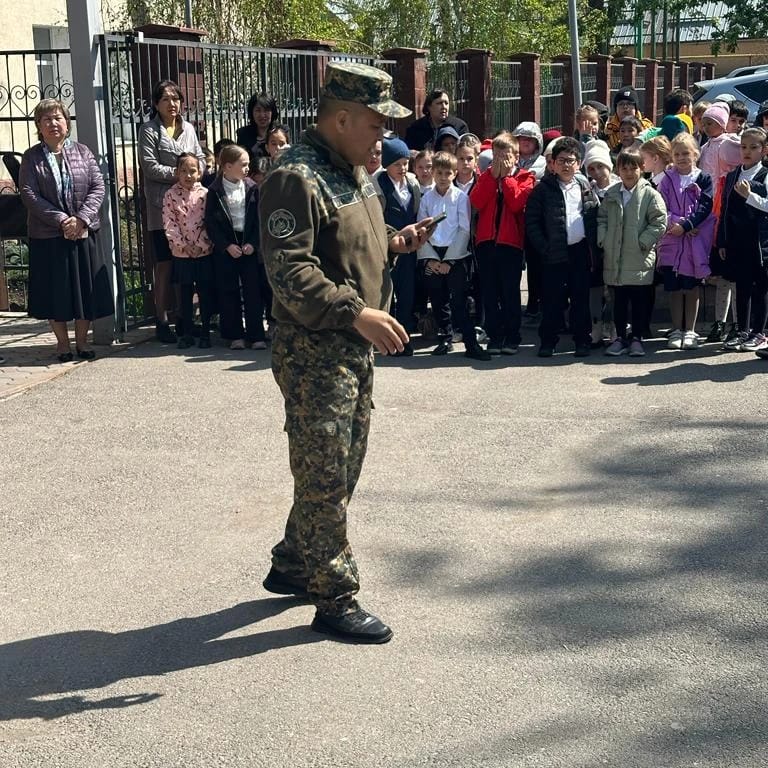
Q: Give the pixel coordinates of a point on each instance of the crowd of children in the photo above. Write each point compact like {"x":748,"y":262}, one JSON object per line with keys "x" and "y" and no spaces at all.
{"x":599,"y":220}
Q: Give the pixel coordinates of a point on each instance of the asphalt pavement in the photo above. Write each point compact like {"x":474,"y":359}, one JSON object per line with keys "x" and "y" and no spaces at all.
{"x":572,"y":555}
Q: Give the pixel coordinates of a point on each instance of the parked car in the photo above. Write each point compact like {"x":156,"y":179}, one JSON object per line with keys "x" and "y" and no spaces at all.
{"x":751,"y":70}
{"x":751,"y":89}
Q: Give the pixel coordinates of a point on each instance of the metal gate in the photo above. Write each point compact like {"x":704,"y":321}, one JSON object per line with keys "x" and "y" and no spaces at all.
{"x":217,"y":81}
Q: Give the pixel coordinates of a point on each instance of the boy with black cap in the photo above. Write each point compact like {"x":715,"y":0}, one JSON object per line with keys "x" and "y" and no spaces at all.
{"x":625,"y":104}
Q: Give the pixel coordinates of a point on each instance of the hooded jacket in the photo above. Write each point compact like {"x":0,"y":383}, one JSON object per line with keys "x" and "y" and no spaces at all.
{"x":536,"y":163}
{"x":628,"y":234}
{"x":442,"y":133}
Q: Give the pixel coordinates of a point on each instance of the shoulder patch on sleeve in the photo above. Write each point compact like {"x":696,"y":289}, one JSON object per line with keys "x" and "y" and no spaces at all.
{"x":281,"y":223}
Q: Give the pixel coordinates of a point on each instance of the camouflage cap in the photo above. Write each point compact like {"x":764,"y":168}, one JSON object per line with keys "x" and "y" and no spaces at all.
{"x":349,"y":81}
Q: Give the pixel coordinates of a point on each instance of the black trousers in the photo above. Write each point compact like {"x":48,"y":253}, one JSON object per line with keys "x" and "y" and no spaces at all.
{"x":638,"y":297}
{"x":501,"y":267}
{"x":752,"y":296}
{"x":448,"y":296}
{"x":566,"y":281}
{"x":231,"y":274}
{"x":533,"y":269}
{"x":204,"y":291}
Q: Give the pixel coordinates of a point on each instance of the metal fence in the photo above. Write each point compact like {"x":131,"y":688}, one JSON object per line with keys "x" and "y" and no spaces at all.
{"x":217,"y":82}
{"x":640,"y":86}
{"x":552,"y":96}
{"x":505,"y":94}
{"x":588,"y":80}
{"x":453,"y":78}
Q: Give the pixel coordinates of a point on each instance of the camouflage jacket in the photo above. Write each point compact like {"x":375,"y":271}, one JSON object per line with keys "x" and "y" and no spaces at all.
{"x":323,"y":239}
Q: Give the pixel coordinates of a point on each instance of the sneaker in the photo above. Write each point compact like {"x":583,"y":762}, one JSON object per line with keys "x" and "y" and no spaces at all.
{"x":716,"y":332}
{"x":357,"y":626}
{"x":675,"y":340}
{"x":733,"y":332}
{"x":481,"y":335}
{"x":493,"y":348}
{"x":259,"y":345}
{"x":755,"y":342}
{"x":617,"y":347}
{"x":237,"y":344}
{"x":508,"y":348}
{"x":443,"y":348}
{"x":690,"y":340}
{"x":457,"y":337}
{"x":636,"y":348}
{"x":734,"y":344}
{"x":164,"y":334}
{"x":477,"y":353}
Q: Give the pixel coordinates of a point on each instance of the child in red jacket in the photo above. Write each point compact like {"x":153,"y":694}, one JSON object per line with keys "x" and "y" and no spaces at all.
{"x":499,"y":197}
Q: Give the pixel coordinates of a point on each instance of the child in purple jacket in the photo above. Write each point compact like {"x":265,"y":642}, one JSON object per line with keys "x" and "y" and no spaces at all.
{"x":683,"y":252}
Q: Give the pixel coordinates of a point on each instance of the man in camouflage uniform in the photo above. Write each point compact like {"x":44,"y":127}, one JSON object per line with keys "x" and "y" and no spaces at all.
{"x":326,"y":251}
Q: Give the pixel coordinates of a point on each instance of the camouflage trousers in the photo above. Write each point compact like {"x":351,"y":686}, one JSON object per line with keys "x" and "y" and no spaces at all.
{"x":326,"y":381}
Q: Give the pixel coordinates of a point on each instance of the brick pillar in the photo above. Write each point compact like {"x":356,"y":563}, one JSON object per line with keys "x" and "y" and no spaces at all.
{"x":685,"y":71}
{"x":567,"y":105}
{"x":530,"y":86}
{"x":669,"y":75}
{"x":603,"y":83}
{"x":629,"y":75}
{"x":479,"y":107}
{"x":652,"y":106}
{"x":410,"y":81}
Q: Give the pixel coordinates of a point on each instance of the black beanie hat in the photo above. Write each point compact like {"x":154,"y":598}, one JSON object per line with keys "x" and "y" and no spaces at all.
{"x":625,"y":93}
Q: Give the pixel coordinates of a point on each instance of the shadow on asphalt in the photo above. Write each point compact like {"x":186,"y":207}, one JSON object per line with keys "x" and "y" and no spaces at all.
{"x":686,"y":373}
{"x":89,"y":659}
{"x":241,"y":359}
{"x":667,"y":597}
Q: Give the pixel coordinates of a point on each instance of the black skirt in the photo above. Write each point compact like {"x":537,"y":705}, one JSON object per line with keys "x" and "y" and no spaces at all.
{"x":68,"y":280}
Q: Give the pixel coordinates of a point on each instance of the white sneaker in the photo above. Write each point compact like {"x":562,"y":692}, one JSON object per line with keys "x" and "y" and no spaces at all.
{"x":675,"y":340}
{"x":690,"y":340}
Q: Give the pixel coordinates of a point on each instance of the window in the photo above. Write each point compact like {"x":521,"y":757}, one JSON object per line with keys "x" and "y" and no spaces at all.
{"x":757,"y":91}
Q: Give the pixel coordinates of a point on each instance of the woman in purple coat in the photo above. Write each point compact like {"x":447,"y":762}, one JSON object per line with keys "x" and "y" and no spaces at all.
{"x":62,"y":188}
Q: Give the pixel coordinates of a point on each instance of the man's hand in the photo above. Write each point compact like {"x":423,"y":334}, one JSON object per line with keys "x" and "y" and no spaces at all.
{"x":235,"y":251}
{"x":382,"y":330}
{"x":412,"y":237}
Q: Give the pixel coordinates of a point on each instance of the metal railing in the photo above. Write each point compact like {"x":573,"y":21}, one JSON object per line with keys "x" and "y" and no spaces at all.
{"x":505,"y":94}
{"x":588,"y":80}
{"x":552,"y":96}
{"x":453,"y":77}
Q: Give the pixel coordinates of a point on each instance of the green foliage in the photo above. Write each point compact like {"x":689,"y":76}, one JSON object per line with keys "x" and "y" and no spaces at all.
{"x":744,"y":18}
{"x":370,"y":26}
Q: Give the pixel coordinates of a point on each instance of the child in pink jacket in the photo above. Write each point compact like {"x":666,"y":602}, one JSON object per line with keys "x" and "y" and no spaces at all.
{"x":183,"y":219}
{"x":719,"y":156}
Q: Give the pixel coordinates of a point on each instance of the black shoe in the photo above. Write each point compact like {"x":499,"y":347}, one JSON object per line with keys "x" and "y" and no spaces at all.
{"x":204,"y":342}
{"x":65,"y":357}
{"x":716,"y":333}
{"x":582,"y":350}
{"x":283,"y":584}
{"x":86,"y":354}
{"x":357,"y":626}
{"x":164,"y":334}
{"x":508,"y":348}
{"x":477,"y":353}
{"x":443,"y":348}
{"x":733,"y":333}
{"x":493,"y":348}
{"x":185,"y":342}
{"x":545,"y":352}
{"x":407,"y":350}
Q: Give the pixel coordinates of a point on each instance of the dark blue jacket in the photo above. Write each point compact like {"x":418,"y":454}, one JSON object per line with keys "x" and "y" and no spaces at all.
{"x":751,"y":215}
